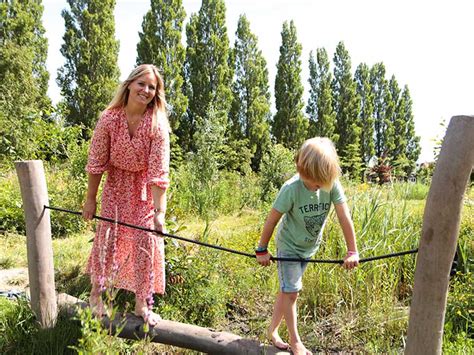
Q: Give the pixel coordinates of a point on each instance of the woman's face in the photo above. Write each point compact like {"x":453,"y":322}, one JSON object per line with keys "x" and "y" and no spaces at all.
{"x":143,"y":89}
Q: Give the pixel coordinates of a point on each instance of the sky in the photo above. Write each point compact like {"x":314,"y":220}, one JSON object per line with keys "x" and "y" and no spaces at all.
{"x":427,"y":44}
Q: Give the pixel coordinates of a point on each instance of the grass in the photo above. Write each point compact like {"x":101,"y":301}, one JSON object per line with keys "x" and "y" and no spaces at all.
{"x":365,"y":310}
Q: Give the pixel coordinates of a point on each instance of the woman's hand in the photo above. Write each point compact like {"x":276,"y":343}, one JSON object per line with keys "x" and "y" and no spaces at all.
{"x":159,"y":221}
{"x":89,"y":209}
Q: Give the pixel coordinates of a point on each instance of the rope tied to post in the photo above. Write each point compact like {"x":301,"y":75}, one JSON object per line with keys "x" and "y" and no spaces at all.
{"x":218,"y":247}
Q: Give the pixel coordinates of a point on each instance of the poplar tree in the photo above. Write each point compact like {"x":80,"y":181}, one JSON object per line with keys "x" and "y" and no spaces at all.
{"x":322,"y":118}
{"x":250,"y":112}
{"x":366,"y":111}
{"x":90,"y":74}
{"x":407,"y":147}
{"x":25,"y":108}
{"x":346,"y":106}
{"x":23,"y":53}
{"x":207,"y":70}
{"x":379,"y":90}
{"x":289,"y":124}
{"x":160,"y":44}
{"x":391,"y":99}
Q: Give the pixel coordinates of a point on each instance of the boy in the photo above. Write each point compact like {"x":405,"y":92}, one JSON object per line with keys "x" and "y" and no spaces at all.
{"x":304,"y":202}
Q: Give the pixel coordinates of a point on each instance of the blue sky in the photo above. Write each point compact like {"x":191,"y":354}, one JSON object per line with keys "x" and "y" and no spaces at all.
{"x":427,"y":45}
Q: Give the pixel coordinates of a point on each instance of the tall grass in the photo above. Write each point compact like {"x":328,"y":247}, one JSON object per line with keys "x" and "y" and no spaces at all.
{"x":362,"y":310}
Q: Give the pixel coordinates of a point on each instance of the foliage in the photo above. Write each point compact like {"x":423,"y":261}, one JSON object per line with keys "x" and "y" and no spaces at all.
{"x":23,"y":52}
{"x":320,"y":110}
{"x":208,"y":73}
{"x":277,"y":167}
{"x":250,"y":112}
{"x":160,"y":44}
{"x":64,"y":189}
{"x":366,"y":110}
{"x":361,"y":311}
{"x":381,"y":172}
{"x":226,"y":192}
{"x":413,"y":149}
{"x":289,"y":124}
{"x":346,"y":106}
{"x":459,"y":308}
{"x":20,"y":334}
{"x":90,"y":73}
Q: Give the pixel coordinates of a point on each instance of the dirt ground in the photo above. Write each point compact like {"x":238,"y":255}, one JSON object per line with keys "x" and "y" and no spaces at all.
{"x":13,"y":279}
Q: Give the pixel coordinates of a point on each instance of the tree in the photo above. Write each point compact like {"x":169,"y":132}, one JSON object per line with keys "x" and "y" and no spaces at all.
{"x":381,"y":121}
{"x":392,"y":119}
{"x":23,"y":52}
{"x":289,"y":124}
{"x":90,"y":75}
{"x":322,"y":118}
{"x":207,"y":71}
{"x":412,"y":141}
{"x":346,"y":106}
{"x":250,"y":112}
{"x":25,"y":109}
{"x":160,"y":44}
{"x":366,"y":110}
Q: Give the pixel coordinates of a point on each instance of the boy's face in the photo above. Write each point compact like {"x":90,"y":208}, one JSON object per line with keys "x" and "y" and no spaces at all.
{"x":310,"y":184}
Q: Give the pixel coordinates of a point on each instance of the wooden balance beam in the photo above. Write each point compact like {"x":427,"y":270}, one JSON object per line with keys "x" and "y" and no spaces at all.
{"x":174,"y":333}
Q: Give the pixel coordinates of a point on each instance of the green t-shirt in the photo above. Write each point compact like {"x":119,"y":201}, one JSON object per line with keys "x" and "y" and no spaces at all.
{"x":305,"y":212}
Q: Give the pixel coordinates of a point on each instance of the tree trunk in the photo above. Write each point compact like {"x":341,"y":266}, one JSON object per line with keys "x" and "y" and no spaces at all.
{"x":439,"y":237}
{"x":168,"y":332}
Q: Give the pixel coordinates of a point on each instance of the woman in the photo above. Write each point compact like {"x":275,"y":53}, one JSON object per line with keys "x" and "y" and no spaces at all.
{"x":131,"y":143}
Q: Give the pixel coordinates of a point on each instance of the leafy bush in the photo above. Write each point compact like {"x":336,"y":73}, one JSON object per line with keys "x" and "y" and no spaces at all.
{"x":277,"y":167}
{"x":12,"y":218}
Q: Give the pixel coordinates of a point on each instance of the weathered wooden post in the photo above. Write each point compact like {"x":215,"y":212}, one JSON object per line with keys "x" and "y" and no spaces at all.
{"x":39,"y":247}
{"x":439,"y":237}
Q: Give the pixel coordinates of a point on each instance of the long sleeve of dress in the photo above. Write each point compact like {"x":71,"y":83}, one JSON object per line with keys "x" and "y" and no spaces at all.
{"x":99,"y":150}
{"x":159,"y":160}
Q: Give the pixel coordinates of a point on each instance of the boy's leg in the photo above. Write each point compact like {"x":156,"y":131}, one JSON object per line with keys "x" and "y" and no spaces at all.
{"x":277,"y":316}
{"x":291,"y":315}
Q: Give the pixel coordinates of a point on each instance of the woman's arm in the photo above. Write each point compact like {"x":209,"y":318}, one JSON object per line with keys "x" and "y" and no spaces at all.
{"x":90,"y":205}
{"x":159,"y":203}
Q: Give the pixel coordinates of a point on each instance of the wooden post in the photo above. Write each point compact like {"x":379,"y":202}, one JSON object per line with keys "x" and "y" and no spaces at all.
{"x":439,"y":237}
{"x":39,"y":247}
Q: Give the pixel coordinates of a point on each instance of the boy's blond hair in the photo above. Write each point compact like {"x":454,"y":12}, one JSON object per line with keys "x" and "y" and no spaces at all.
{"x":317,"y":159}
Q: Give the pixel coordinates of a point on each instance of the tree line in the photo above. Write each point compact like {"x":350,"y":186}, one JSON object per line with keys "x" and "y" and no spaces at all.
{"x":218,"y":94}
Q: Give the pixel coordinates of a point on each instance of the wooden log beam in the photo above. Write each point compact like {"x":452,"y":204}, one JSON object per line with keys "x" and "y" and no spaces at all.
{"x":439,"y":237}
{"x":174,"y":333}
{"x":34,"y":194}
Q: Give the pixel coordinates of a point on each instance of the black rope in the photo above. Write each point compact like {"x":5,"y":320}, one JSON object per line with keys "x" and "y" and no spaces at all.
{"x":323,"y":261}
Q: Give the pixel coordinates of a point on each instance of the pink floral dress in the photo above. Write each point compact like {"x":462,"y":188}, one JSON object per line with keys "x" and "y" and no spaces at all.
{"x":128,"y":258}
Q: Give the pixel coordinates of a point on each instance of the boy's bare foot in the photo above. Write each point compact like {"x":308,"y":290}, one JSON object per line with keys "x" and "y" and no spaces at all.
{"x":299,"y":349}
{"x":148,"y":316}
{"x":277,"y":341}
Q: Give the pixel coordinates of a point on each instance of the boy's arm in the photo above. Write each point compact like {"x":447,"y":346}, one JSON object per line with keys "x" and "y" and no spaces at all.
{"x":267,"y":232}
{"x":343,"y":215}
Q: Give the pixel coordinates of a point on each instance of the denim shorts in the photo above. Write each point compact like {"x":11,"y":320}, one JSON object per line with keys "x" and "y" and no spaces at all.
{"x":290,"y":273}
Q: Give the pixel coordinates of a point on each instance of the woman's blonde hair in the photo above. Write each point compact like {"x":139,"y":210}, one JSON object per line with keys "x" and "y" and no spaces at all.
{"x":317,"y":159}
{"x":158,"y":104}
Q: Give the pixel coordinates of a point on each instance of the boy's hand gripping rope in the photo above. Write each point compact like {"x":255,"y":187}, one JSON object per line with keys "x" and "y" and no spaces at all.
{"x":323,"y":261}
